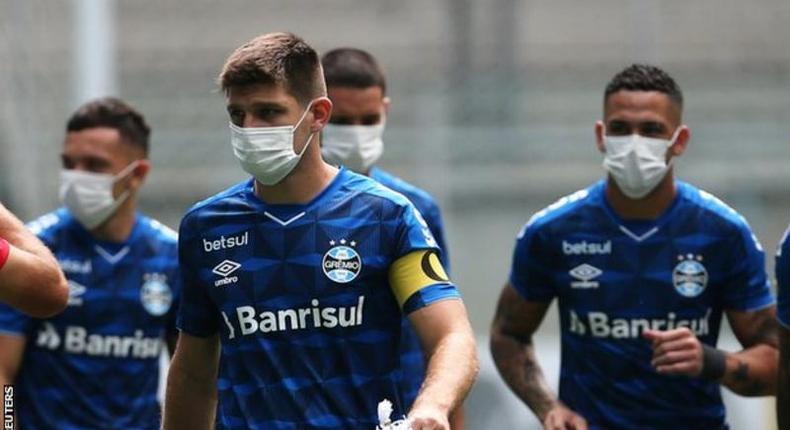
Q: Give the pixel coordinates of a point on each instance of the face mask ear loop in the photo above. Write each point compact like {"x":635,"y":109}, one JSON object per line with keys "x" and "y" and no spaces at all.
{"x":672,"y":142}
{"x":121,"y":175}
{"x":298,"y":123}
{"x":126,"y":170}
{"x":304,"y":115}
{"x":675,"y":135}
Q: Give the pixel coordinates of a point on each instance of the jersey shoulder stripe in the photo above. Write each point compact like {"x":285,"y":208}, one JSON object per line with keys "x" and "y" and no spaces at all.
{"x":234,"y":190}
{"x":49,"y":223}
{"x":365,"y":185}
{"x":421,"y":198}
{"x":712,"y":204}
{"x":162,"y":231}
{"x":729,"y":220}
{"x":561,"y":208}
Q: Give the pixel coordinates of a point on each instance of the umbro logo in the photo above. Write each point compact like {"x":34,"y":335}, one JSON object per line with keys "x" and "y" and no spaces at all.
{"x":585,"y":274}
{"x":225,"y":269}
{"x":76,"y":291}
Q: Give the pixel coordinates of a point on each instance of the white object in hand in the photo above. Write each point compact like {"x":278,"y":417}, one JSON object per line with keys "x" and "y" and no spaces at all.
{"x":384,"y":412}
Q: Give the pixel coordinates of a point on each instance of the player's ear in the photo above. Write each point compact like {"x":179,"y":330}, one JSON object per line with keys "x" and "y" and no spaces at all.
{"x":322,"y":111}
{"x":600,"y":131}
{"x":681,"y":142}
{"x":139,"y":173}
{"x":386,"y":101}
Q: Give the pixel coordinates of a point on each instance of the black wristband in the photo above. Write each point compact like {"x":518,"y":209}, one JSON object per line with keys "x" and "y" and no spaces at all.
{"x":714,"y":363}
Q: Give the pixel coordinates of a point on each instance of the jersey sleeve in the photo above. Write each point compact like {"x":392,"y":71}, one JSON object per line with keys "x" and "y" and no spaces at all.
{"x":413,"y":232}
{"x":417,"y":277}
{"x":433,"y":216}
{"x":197,"y":314}
{"x":746,"y":287}
{"x":13,"y":322}
{"x":418,"y":280}
{"x":529,"y":273}
{"x":783,"y":280}
{"x":172,"y":314}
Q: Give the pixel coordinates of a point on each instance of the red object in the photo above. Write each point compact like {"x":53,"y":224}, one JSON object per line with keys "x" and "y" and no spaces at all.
{"x":5,"y":248}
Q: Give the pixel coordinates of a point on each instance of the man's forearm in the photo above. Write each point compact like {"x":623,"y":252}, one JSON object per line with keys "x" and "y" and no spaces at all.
{"x":752,"y":372}
{"x":15,"y":232}
{"x":190,"y":402}
{"x":31,"y":279}
{"x":783,"y":397}
{"x":783,"y":381}
{"x":452,"y":369}
{"x":515,"y":359}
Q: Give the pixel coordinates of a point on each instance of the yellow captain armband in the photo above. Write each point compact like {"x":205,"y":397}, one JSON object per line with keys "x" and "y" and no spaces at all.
{"x":415,"y":271}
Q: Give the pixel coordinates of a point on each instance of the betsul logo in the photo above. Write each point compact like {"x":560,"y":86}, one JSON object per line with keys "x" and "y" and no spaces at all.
{"x":342,"y":263}
{"x":689,"y":276}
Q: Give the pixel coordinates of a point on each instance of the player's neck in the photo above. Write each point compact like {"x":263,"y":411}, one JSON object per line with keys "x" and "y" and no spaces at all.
{"x":649,"y":207}
{"x":119,"y":226}
{"x":311,"y":176}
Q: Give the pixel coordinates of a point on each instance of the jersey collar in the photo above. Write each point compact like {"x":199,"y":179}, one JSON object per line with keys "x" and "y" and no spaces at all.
{"x":640,"y":230}
{"x":284,"y":214}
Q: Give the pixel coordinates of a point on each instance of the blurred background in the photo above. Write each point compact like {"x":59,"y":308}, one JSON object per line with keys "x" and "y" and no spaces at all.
{"x":493,"y":106}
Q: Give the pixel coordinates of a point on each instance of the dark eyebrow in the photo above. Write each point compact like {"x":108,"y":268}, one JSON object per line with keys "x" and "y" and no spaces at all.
{"x":260,"y":105}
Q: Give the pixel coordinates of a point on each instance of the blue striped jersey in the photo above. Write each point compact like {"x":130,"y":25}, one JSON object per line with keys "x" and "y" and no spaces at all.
{"x":614,"y":278}
{"x":300,"y":296}
{"x":412,"y":358}
{"x":782,"y":269}
{"x":96,"y":365}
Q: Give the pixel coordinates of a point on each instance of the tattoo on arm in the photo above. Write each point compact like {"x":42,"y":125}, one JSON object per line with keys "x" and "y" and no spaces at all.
{"x":742,"y":372}
{"x":514,"y":351}
{"x":767,"y":331}
{"x":752,"y":371}
{"x":750,"y":385}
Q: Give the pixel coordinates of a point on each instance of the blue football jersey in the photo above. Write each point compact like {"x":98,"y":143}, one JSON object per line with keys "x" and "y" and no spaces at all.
{"x":423,"y":202}
{"x":96,"y":365}
{"x":782,"y":268}
{"x":412,"y":357}
{"x":613,"y":279}
{"x":301,"y":298}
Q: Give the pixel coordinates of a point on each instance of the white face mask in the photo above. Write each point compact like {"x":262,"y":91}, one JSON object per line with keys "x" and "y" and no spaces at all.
{"x":88,"y":196}
{"x":637,"y":163}
{"x":357,"y":147}
{"x":267,"y":153}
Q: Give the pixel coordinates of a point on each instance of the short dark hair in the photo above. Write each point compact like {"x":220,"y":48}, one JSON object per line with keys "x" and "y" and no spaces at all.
{"x":275,"y":58}
{"x":645,"y":77}
{"x":113,"y":113}
{"x":354,"y":68}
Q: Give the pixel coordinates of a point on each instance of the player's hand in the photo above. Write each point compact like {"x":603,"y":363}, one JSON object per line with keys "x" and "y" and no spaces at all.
{"x":428,"y":418}
{"x":560,"y":417}
{"x":675,"y":352}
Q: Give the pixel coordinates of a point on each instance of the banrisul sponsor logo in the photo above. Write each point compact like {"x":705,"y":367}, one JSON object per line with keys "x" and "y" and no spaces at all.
{"x":586,"y":248}
{"x":226,"y":242}
{"x":77,"y":340}
{"x":314,"y":315}
{"x":342,"y":263}
{"x":603,"y":325}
